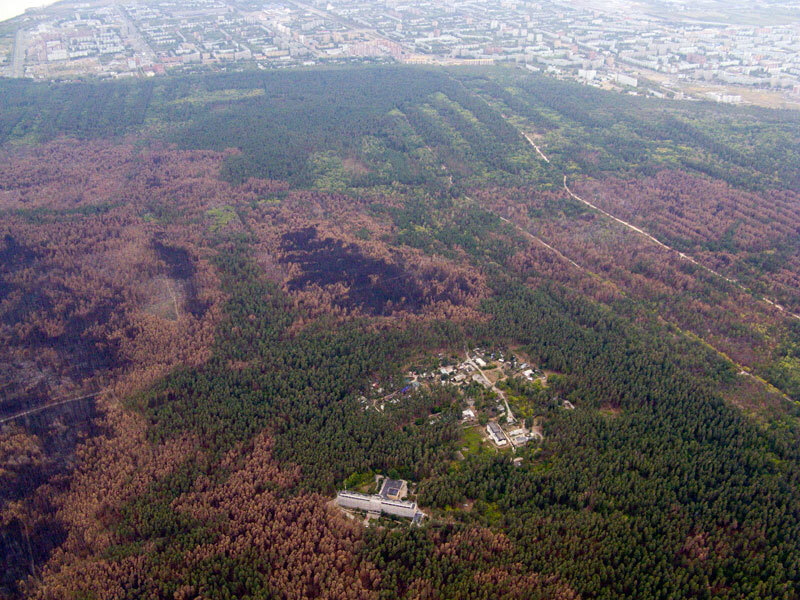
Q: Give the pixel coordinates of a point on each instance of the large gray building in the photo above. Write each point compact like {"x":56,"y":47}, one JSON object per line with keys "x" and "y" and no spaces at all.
{"x":377,"y":504}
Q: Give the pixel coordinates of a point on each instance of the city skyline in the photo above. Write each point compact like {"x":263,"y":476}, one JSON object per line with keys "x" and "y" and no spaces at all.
{"x":660,"y":49}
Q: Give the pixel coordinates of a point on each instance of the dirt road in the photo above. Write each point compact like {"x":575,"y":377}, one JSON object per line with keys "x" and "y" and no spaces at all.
{"x":642,"y":232}
{"x":509,"y":415}
{"x":532,"y":143}
{"x":670,"y":249}
{"x":527,"y":233}
{"x":46,"y":406}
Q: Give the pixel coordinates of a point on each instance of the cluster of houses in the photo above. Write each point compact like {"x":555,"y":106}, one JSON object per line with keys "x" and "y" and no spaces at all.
{"x":467,"y":371}
{"x":502,"y":433}
{"x":462,"y":374}
{"x":513,"y":438}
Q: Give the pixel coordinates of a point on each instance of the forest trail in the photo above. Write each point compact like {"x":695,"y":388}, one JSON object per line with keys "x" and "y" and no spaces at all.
{"x":509,"y":415}
{"x":46,"y":406}
{"x":536,"y":239}
{"x":740,"y":368}
{"x":630,"y":226}
{"x":174,"y":300}
{"x":642,"y":232}
{"x":542,"y":242}
{"x":532,"y":143}
{"x":681,"y":254}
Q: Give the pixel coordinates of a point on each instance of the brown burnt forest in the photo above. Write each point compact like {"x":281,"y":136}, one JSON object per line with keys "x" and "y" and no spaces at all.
{"x":217,"y":292}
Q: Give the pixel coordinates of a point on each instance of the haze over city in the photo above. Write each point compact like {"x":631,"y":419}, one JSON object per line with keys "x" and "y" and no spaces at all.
{"x":12,"y":8}
{"x":730,"y":52}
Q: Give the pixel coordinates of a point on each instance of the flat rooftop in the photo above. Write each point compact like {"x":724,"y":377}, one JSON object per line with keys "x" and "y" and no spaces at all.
{"x":391,"y":488}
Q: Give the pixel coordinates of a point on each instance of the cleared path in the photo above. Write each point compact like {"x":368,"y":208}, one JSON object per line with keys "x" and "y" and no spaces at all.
{"x":509,"y":415}
{"x":642,"y":232}
{"x":532,"y":143}
{"x":542,"y":242}
{"x":681,"y":254}
{"x":46,"y":406}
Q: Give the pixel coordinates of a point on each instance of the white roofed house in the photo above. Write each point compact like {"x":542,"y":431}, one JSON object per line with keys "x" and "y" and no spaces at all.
{"x":496,"y":433}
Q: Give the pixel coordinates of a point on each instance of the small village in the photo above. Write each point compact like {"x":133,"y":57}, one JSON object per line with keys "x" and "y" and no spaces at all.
{"x":491,"y":418}
{"x":492,"y":413}
{"x":487,"y":420}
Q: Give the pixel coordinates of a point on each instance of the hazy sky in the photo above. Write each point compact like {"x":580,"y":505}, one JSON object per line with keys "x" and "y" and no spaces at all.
{"x":12,"y":8}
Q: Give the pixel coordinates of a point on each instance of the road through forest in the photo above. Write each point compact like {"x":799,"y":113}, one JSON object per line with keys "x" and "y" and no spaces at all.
{"x":509,"y":415}
{"x":46,"y":406}
{"x":650,"y":237}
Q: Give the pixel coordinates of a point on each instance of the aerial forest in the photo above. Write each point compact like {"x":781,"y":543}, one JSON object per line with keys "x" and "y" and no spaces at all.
{"x":205,"y":280}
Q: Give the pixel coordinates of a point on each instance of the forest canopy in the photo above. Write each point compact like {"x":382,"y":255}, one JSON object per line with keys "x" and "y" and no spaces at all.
{"x":255,"y":289}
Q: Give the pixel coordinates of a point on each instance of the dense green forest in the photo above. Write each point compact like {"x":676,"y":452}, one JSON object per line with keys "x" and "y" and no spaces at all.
{"x":388,"y":116}
{"x":299,"y":240}
{"x":590,"y":131}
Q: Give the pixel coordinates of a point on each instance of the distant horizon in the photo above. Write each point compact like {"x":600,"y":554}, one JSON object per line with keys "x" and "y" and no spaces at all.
{"x":13,"y":8}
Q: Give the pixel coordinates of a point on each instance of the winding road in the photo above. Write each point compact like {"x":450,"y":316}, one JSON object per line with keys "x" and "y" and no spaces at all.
{"x":650,"y":237}
{"x":509,"y":415}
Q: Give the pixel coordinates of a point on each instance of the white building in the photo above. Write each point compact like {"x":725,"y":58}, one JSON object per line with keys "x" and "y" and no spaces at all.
{"x":377,"y":504}
{"x":59,"y":54}
{"x":626,"y":80}
{"x":496,"y":433}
